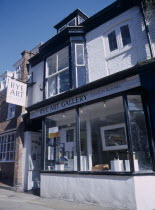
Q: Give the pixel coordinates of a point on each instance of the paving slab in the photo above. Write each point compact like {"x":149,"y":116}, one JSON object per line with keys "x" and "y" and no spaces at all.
{"x":12,"y":200}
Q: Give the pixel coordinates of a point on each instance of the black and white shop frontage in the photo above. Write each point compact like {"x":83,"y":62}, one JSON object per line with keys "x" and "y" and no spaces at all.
{"x":98,"y":141}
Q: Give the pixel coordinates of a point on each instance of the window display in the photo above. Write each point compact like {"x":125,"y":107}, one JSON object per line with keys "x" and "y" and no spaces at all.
{"x":105,"y":137}
{"x":60,"y":142}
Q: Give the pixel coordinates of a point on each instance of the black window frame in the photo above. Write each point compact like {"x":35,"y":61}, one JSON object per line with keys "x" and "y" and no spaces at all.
{"x":135,"y":91}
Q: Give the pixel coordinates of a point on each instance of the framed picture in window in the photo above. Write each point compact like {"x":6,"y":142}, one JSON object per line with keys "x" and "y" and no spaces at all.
{"x":114,"y":137}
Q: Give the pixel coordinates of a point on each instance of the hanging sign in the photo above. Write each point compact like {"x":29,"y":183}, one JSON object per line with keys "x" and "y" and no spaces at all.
{"x":16,"y":92}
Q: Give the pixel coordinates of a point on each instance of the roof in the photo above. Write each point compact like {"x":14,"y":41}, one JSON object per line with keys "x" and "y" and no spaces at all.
{"x":70,"y":17}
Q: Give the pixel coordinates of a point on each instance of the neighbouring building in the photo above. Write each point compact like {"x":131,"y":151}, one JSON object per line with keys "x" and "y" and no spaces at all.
{"x":90,"y":121}
{"x":12,"y":127}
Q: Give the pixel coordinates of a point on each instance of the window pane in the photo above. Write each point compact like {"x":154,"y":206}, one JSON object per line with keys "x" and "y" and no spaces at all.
{"x":103,"y":137}
{"x":80,"y":54}
{"x":64,"y":81}
{"x":126,"y":39}
{"x":63,"y":59}
{"x":60,"y":142}
{"x":52,"y":84}
{"x":81,"y":75}
{"x":51,"y":64}
{"x":142,"y":159}
{"x":71,"y":23}
{"x":112,"y":41}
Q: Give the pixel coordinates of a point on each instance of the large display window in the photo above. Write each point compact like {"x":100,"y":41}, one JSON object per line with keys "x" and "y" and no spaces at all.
{"x":106,"y":147}
{"x":105,"y":136}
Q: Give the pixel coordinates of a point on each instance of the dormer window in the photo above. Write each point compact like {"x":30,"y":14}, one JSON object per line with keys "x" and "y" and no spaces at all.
{"x":69,"y":24}
{"x":74,"y":19}
{"x":72,"y":22}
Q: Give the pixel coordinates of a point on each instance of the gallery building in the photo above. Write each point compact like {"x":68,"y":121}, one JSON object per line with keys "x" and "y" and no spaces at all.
{"x":90,"y":121}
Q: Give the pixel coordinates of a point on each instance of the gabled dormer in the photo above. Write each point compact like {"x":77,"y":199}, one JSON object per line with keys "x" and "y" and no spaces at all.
{"x":74,"y":19}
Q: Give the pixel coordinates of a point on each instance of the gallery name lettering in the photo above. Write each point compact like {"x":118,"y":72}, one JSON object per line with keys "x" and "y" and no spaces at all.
{"x":89,"y":96}
{"x":63,"y":104}
{"x":16,"y":92}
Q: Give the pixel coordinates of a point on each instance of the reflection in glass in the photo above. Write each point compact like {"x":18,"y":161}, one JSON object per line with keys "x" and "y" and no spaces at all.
{"x":64,"y":81}
{"x":142,"y":159}
{"x":103,"y":137}
{"x":125,"y":33}
{"x":112,"y":41}
{"x":60,"y":142}
{"x":52,"y":84}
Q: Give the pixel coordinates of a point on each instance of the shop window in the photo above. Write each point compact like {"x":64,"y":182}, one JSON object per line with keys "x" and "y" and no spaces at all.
{"x":138,"y":132}
{"x":80,"y":65}
{"x":103,"y":137}
{"x":11,"y":111}
{"x":60,"y":142}
{"x":7,"y":148}
{"x":58,"y":73}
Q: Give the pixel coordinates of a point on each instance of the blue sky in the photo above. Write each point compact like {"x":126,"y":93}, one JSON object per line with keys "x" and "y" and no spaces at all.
{"x":26,"y":23}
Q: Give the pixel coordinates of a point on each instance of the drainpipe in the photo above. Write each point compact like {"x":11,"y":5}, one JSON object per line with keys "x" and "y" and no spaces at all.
{"x":146,"y":28}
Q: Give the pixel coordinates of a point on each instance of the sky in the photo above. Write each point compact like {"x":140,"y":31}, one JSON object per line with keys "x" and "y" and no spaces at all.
{"x":26,"y":23}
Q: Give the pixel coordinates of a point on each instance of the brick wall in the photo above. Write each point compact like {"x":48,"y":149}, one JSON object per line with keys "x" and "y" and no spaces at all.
{"x":14,"y":170}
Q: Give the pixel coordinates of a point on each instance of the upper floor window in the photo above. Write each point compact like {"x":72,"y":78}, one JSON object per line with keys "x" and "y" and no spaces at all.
{"x":18,"y":72}
{"x":112,"y":41}
{"x":69,"y":24}
{"x":11,"y":111}
{"x":58,"y":72}
{"x":119,"y":38}
{"x":125,"y":34}
{"x":3,"y":84}
{"x":80,"y":65}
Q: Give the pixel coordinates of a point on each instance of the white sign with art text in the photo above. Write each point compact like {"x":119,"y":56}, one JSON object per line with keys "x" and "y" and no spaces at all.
{"x":16,"y":92}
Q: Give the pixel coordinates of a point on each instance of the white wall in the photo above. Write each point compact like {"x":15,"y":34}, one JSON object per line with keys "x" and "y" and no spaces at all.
{"x":107,"y":191}
{"x":34,"y":93}
{"x":145,"y":192}
{"x":99,"y":63}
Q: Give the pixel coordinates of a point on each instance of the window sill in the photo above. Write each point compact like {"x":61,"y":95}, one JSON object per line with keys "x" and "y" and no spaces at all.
{"x":119,"y":52}
{"x":108,"y":173}
{"x":7,"y":161}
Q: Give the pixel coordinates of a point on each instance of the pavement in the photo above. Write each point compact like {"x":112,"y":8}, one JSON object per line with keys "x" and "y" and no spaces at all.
{"x":12,"y":200}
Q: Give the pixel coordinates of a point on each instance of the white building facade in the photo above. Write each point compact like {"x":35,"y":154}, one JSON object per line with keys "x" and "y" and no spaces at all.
{"x":89,"y":106}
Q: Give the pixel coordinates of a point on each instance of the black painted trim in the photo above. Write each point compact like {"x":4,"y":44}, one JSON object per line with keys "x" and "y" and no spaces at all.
{"x":74,"y":14}
{"x":43,"y":144}
{"x":99,"y":173}
{"x":127,"y":123}
{"x":78,"y":147}
{"x":136,"y":70}
{"x":149,"y":128}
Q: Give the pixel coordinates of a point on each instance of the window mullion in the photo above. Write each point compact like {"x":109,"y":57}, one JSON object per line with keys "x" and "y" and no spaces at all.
{"x":127,"y":120}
